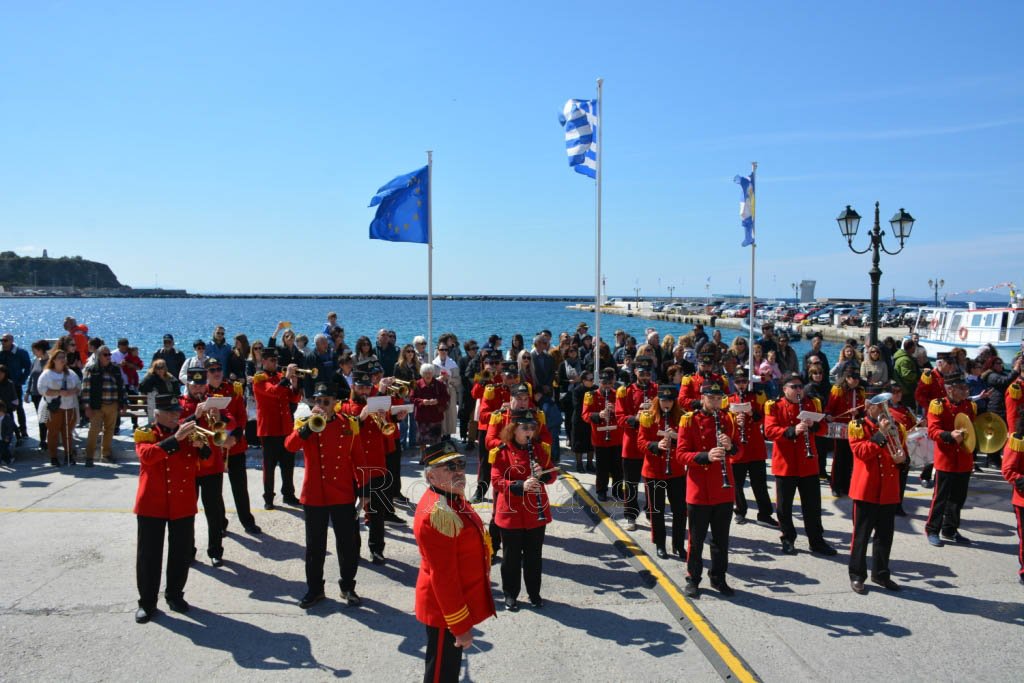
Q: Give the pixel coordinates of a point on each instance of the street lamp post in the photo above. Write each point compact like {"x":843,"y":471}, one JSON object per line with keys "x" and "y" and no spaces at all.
{"x":934,"y":285}
{"x":637,"y":291}
{"x":902,"y":223}
{"x":671,"y":288}
{"x":796,"y":291}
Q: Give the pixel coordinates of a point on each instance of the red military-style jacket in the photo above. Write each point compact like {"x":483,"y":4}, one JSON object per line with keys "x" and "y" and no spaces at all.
{"x":628,"y":400}
{"x":1014,"y":400}
{"x":876,"y":477}
{"x":902,"y":414}
{"x":689,"y":387}
{"x":655,"y":464}
{"x":333,"y":457}
{"x":274,"y":396}
{"x":376,"y":445}
{"x":453,"y":588}
{"x":789,"y":449}
{"x":593,"y":403}
{"x":930,"y":387}
{"x":234,"y":391}
{"x":949,"y":455}
{"x":215,"y":463}
{"x":704,"y":482}
{"x":754,"y":450}
{"x":844,"y":403}
{"x":513,"y":507}
{"x":167,"y":474}
{"x":1013,"y":466}
{"x":501,"y":417}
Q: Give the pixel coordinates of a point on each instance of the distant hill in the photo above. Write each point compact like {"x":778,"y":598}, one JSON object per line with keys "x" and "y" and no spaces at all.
{"x":73,"y":271}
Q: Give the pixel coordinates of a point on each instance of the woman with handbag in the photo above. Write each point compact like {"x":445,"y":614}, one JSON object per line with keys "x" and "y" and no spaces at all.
{"x":59,"y":387}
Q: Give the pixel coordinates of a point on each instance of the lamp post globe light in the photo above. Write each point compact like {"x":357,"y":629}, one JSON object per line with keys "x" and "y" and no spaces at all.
{"x":901,"y":223}
{"x":935,"y":285}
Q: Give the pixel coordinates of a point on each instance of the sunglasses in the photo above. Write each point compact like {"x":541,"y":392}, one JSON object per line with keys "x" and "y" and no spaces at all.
{"x":453,"y":465}
{"x":796,"y":387}
{"x":324,"y":402}
{"x":107,"y":353}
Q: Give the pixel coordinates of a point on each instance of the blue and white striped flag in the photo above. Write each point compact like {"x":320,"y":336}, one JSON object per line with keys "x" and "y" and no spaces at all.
{"x":580,"y":120}
{"x":747,"y":206}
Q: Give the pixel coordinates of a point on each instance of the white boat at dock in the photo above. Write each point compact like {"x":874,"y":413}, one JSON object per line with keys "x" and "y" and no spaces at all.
{"x":943,"y":328}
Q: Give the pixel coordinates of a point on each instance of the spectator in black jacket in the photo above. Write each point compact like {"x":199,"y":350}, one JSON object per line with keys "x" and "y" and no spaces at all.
{"x":468,"y":367}
{"x":172,"y":356}
{"x":19,"y":365}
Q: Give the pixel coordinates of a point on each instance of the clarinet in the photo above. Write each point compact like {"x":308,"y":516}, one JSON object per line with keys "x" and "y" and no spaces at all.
{"x":540,"y":499}
{"x":607,"y":432}
{"x":807,"y":444}
{"x":668,"y":452}
{"x":725,"y":467}
{"x":743,"y":428}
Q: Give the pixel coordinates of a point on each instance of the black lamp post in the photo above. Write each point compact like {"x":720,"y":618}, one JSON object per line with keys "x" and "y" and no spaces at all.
{"x":902,"y":223}
{"x":935,"y":284}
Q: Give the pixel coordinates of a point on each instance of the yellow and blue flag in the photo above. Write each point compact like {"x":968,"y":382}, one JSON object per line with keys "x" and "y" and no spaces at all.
{"x":746,"y":184}
{"x":402,"y":209}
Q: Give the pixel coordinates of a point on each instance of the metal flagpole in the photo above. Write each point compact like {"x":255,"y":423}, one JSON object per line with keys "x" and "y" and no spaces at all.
{"x":430,"y":250}
{"x":753,"y":250}
{"x":597,"y":249}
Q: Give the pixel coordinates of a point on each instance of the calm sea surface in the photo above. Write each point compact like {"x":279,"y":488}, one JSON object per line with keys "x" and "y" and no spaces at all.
{"x":144,"y":321}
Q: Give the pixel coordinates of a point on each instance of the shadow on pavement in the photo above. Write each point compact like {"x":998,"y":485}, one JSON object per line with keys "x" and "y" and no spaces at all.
{"x":836,"y":623}
{"x":270,"y":547}
{"x":261,"y":585}
{"x":1003,"y":612}
{"x":653,"y":637}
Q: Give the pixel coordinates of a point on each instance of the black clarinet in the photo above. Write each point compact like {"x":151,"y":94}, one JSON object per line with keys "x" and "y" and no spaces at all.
{"x":725,"y":467}
{"x":540,"y":499}
{"x":743,"y":427}
{"x":668,"y":451}
{"x":807,"y":444}
{"x":607,"y":432}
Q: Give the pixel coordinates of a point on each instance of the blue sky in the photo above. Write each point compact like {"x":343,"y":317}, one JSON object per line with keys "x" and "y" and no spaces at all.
{"x":234,"y":147}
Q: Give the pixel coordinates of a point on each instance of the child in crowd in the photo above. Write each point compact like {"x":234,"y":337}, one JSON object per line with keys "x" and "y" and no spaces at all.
{"x":130,"y":365}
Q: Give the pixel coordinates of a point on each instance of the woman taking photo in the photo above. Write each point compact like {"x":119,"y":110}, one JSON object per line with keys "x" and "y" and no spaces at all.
{"x":59,"y":387}
{"x":874,"y":369}
{"x":521,"y":510}
{"x":159,"y":381}
{"x":237,"y":358}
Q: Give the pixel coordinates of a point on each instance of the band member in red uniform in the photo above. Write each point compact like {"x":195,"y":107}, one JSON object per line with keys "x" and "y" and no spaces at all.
{"x":689,"y":386}
{"x":333,"y":453}
{"x":879,"y":447}
{"x":1014,"y":400}
{"x":372,"y":476}
{"x":752,"y":454}
{"x":931,"y":386}
{"x":795,"y":463}
{"x":663,"y":472}
{"x":628,"y":403}
{"x":707,"y":438}
{"x":210,"y":476}
{"x":953,"y":462}
{"x":486,"y":386}
{"x":166,"y":499}
{"x":393,"y":454}
{"x":521,"y":468}
{"x":1013,"y":472}
{"x":275,"y":393}
{"x":905,"y":416}
{"x":605,"y":435}
{"x":845,"y":402}
{"x":236,"y":452}
{"x":453,"y":589}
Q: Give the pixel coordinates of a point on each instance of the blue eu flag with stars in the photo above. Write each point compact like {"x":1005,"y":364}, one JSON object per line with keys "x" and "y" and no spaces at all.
{"x":402,"y":209}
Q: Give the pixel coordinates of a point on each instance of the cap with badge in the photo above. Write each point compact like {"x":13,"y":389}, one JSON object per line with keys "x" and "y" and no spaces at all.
{"x":168,"y":402}
{"x":213,"y":365}
{"x":741,"y":375}
{"x":955,"y":378}
{"x":607,"y":374}
{"x":323,"y":389}
{"x":197,"y":376}
{"x":438,"y":454}
{"x":361,"y":378}
{"x":711,"y":389}
{"x":792,"y":378}
{"x":523,"y":416}
{"x":520,"y":389}
{"x":270,"y":353}
{"x":643,"y":364}
{"x":667,"y":392}
{"x":707,"y":358}
{"x":945,"y":356}
{"x":509,"y":367}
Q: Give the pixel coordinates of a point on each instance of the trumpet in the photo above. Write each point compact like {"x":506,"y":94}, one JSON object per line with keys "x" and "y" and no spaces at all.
{"x":892,"y":438}
{"x":312,"y":372}
{"x":399,"y":388}
{"x":386,"y":427}
{"x":219,"y":436}
{"x":484,"y":377}
{"x":316,"y":423}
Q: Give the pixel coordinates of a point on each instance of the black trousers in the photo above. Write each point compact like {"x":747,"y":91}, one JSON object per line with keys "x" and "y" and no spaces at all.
{"x":810,"y":504}
{"x":718,"y":518}
{"x":483,"y":474}
{"x":867,"y":518}
{"x":20,"y":411}
{"x":444,"y":660}
{"x":758,"y":485}
{"x":275,"y":455}
{"x":379,"y":505}
{"x":904,"y":473}
{"x":149,"y":557}
{"x":609,"y":466}
{"x":657,"y":491}
{"x":1018,"y":513}
{"x":522,"y":559}
{"x":210,"y":489}
{"x":346,"y":543}
{"x":240,"y":489}
{"x":824,"y":446}
{"x":42,"y":425}
{"x":842,"y":467}
{"x":393,"y":462}
{"x":948,"y":499}
{"x":630,"y":483}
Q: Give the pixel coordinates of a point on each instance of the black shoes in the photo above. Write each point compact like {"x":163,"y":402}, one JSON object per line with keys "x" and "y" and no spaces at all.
{"x":291,"y":500}
{"x":377,"y":557}
{"x":956,"y":538}
{"x":350,"y":598}
{"x":681,"y":552}
{"x":537,"y":602}
{"x":900,"y":512}
{"x":886,"y":583}
{"x":477,"y":499}
{"x":662,"y":554}
{"x":824,"y":549}
{"x":253,"y":529}
{"x":177,"y":604}
{"x":788,"y":548}
{"x":739,"y":519}
{"x":312,"y":597}
{"x":690,"y":590}
{"x":393,"y":519}
{"x":217,"y":561}
{"x":143,"y":615}
{"x":268,"y":505}
{"x":89,"y":462}
{"x":401,"y":500}
{"x":54,"y":462}
{"x":858,"y":587}
{"x":511,"y":604}
{"x":722,"y":587}
{"x":768,"y":520}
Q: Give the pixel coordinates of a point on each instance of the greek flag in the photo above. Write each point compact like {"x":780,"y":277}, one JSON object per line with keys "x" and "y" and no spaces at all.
{"x":580,"y":120}
{"x":746,"y":184}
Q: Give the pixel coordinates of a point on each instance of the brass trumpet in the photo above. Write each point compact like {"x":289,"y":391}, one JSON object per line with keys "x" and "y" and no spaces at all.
{"x":399,"y":388}
{"x":219,"y":436}
{"x":316,"y":423}
{"x":484,"y":377}
{"x":313,"y":372}
{"x":386,"y":427}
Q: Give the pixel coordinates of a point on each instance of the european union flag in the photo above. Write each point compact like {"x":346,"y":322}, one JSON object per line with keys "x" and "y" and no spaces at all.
{"x":403,"y":209}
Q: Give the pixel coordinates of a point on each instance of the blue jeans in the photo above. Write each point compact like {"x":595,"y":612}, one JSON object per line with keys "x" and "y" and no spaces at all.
{"x":553,"y":415}
{"x":407,"y":432}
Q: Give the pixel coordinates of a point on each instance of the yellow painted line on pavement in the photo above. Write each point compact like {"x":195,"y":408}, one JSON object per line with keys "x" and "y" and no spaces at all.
{"x":711,"y":636}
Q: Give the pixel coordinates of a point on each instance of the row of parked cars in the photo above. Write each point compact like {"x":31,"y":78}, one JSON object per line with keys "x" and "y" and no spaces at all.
{"x":808,"y":313}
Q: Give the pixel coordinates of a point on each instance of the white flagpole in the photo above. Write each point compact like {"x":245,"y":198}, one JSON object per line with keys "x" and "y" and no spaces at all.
{"x":430,"y":250}
{"x":753,"y":250}
{"x":597,"y":249}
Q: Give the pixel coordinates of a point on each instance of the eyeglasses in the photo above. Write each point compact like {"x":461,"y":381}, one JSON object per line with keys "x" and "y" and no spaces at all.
{"x":214,"y":370}
{"x":421,"y":343}
{"x":452,"y":465}
{"x":795,"y":387}
{"x":257,"y":348}
{"x":324,"y":402}
{"x":105,"y":353}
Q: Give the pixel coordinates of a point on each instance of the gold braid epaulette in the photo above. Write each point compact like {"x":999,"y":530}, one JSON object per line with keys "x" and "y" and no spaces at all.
{"x":144,"y":435}
{"x":445,"y":520}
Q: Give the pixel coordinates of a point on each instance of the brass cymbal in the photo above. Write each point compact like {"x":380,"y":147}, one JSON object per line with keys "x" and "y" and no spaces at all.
{"x":991,"y":433}
{"x":963,"y":421}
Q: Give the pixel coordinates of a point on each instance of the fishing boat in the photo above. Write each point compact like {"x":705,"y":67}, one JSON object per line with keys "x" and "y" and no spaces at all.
{"x":942,"y":328}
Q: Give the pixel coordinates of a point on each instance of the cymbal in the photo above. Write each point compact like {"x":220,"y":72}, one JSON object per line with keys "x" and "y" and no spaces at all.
{"x":963,"y":421}
{"x":991,"y":433}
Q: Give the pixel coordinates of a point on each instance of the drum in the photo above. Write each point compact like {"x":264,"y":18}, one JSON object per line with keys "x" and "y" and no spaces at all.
{"x":838,"y":430}
{"x":920,"y":448}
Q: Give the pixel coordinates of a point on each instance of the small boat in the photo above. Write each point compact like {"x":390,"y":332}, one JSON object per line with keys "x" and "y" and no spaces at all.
{"x":943,"y":328}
